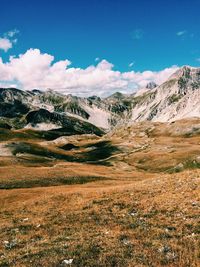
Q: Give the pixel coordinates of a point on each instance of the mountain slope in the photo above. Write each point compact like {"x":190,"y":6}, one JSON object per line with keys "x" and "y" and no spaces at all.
{"x":176,"y":98}
{"x":43,"y":119}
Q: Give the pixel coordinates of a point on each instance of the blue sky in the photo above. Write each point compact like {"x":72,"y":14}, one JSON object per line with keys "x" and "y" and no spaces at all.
{"x":121,"y":31}
{"x":132,"y":35}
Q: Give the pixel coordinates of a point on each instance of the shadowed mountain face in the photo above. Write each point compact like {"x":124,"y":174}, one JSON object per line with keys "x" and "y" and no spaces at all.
{"x":20,"y":109}
{"x":177,"y":98}
{"x":61,"y":122}
{"x":12,"y":110}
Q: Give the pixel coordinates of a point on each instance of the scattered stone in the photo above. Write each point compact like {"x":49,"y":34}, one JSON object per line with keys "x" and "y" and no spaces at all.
{"x":170,"y":228}
{"x":10,"y":245}
{"x":170,"y":255}
{"x":194,"y":203}
{"x":126,"y":241}
{"x":67,"y":262}
{"x":16,"y":230}
{"x":133,"y":212}
{"x":179,"y":167}
{"x":6,"y":243}
{"x":197,"y":159}
{"x":25,"y":219}
{"x":164,"y":249}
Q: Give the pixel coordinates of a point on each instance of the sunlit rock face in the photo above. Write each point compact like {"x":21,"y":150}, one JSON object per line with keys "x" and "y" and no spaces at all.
{"x":177,"y":98}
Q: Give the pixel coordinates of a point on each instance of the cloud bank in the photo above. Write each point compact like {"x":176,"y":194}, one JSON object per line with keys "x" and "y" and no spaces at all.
{"x":35,"y":69}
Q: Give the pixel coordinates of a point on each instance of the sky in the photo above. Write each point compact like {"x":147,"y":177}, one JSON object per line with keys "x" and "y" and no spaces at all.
{"x":97,"y":47}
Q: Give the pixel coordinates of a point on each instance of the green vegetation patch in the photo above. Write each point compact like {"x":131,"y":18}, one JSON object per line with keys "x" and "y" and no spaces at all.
{"x":174,"y":98}
{"x":146,"y":97}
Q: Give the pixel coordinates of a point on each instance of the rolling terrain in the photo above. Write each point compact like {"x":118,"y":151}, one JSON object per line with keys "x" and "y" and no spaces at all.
{"x":128,"y":198}
{"x":101,"y":182}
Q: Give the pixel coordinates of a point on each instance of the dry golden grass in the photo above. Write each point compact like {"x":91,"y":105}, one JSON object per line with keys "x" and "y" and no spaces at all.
{"x":142,"y":210}
{"x":151,"y":222}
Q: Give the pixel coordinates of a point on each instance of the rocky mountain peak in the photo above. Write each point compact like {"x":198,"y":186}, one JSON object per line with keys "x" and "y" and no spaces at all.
{"x":151,"y":85}
{"x":116,"y":95}
{"x":94,"y":98}
{"x":176,"y":98}
{"x":189,"y":79}
{"x":184,"y":71}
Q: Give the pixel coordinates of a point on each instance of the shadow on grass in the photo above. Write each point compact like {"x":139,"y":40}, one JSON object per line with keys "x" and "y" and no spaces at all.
{"x":69,"y":146}
{"x":98,"y":154}
{"x":27,"y":134}
{"x":100,"y":151}
{"x":46,"y":182}
{"x":6,"y":134}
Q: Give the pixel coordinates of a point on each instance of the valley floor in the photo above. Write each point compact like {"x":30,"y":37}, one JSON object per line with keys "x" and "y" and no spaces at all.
{"x":117,"y":220}
{"x":130,"y":198}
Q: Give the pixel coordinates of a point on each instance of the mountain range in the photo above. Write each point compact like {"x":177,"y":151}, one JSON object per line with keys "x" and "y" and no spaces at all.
{"x":101,"y":182}
{"x":177,"y":98}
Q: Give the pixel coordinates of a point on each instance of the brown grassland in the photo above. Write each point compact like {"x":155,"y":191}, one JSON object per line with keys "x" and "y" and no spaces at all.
{"x":129,"y":198}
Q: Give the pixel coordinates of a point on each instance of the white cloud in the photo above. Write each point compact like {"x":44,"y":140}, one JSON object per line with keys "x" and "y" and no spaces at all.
{"x":12,"y":33}
{"x":97,"y":59}
{"x":181,"y":33}
{"x":5,"y":44}
{"x":131,"y":64}
{"x":142,"y":78}
{"x":34,"y":69}
{"x":105,"y":65}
